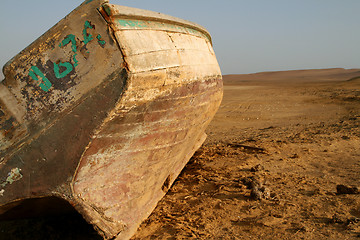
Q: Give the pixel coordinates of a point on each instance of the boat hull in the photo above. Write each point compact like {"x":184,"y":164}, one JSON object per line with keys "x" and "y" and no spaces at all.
{"x":137,"y":93}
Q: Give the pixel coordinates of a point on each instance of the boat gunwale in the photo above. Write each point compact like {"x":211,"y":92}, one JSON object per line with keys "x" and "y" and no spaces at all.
{"x":147,"y":15}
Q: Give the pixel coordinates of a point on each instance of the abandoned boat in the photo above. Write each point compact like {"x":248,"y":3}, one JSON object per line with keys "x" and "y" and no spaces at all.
{"x":104,"y":110}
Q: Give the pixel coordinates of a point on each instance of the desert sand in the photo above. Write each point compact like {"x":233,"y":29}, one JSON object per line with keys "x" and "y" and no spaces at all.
{"x":281,"y":161}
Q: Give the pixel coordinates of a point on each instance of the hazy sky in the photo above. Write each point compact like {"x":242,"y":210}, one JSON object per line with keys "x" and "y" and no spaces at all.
{"x":248,"y":35}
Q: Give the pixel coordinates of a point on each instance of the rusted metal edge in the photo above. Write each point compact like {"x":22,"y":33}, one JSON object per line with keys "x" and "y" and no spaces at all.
{"x":109,"y":20}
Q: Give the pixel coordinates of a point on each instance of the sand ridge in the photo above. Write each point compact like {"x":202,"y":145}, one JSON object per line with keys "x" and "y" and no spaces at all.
{"x":299,"y":76}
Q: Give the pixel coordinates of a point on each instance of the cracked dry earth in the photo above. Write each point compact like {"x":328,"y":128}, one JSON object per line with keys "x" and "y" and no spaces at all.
{"x":282,"y":161}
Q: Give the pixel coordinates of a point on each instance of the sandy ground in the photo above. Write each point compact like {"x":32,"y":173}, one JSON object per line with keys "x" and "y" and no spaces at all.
{"x":282,"y":161}
{"x":277,"y":149}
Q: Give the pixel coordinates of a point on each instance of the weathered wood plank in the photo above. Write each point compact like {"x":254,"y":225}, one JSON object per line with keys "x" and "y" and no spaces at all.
{"x":104,"y":110}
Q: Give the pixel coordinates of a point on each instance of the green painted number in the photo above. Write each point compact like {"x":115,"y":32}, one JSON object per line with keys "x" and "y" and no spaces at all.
{"x":69,"y":67}
{"x":34,"y":73}
{"x":100,"y":41}
{"x":67,"y":40}
{"x":87,"y":37}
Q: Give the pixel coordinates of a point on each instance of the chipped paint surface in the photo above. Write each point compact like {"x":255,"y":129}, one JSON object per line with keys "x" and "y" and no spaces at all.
{"x":142,"y":24}
{"x":174,"y":90}
{"x":55,"y":94}
{"x":115,"y":104}
{"x":13,"y":176}
{"x":51,"y":75}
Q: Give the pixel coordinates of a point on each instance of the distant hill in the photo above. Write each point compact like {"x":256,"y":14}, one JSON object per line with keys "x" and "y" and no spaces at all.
{"x":312,"y":75}
{"x":355,"y":79}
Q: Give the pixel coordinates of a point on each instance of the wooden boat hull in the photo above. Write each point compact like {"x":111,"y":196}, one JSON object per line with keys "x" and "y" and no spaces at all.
{"x":104,"y":110}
